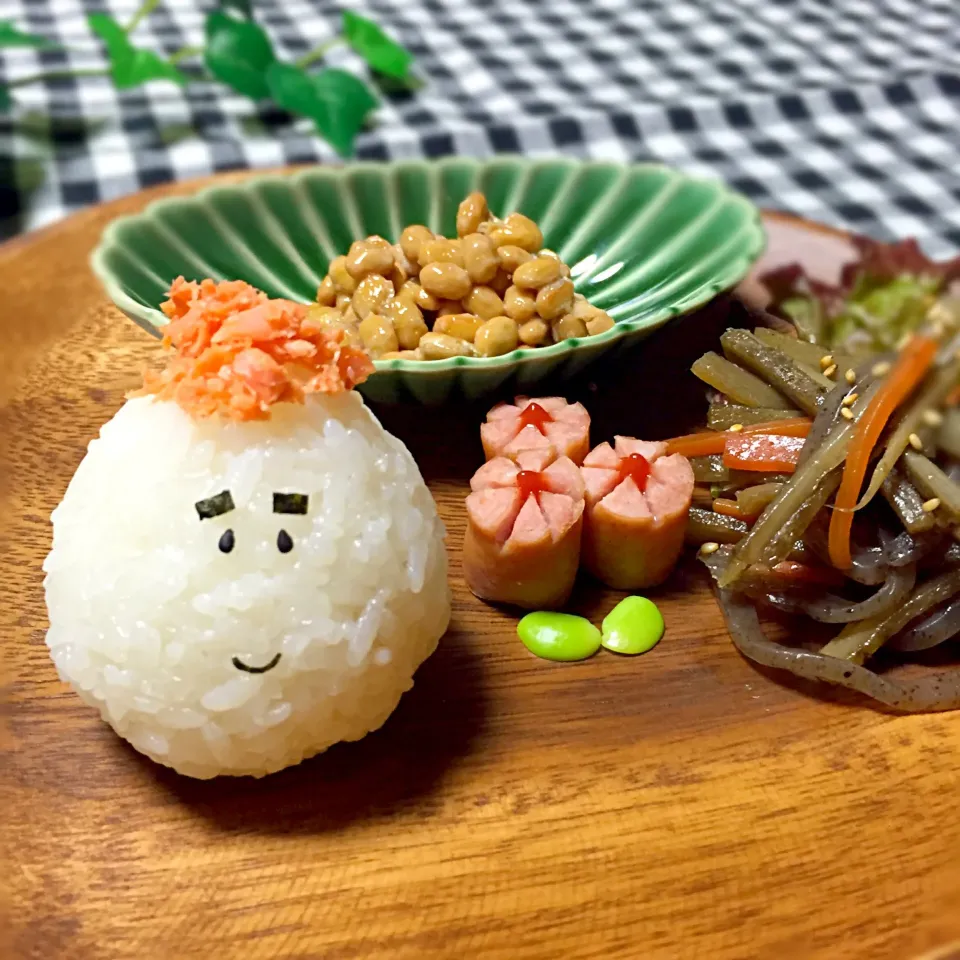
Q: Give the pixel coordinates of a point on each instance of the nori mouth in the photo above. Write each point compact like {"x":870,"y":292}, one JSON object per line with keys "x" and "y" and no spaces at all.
{"x":240,"y":665}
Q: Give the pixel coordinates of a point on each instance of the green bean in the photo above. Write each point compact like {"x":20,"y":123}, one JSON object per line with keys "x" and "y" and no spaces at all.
{"x":704,"y":526}
{"x":739,"y":479}
{"x":932,"y":482}
{"x":939,"y":385}
{"x":795,"y":526}
{"x":902,"y":496}
{"x":736,"y":383}
{"x":776,"y":368}
{"x":709,"y":469}
{"x":722,"y":416}
{"x":808,"y":354}
{"x":754,"y":499}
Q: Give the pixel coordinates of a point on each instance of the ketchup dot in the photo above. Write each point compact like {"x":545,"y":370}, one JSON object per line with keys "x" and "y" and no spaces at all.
{"x":637,"y":467}
{"x":529,"y":482}
{"x":534,"y":415}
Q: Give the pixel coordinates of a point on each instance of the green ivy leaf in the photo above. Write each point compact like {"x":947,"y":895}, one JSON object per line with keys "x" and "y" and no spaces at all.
{"x":336,"y":101}
{"x":238,"y":53}
{"x":241,"y":7}
{"x":10,"y":36}
{"x":381,"y":53}
{"x":129,"y":65}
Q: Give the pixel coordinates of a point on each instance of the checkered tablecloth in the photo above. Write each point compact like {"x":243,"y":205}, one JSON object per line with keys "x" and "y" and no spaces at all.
{"x":846,"y":111}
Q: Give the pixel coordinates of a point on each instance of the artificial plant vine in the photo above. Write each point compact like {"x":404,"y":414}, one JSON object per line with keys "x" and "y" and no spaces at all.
{"x":238,"y":53}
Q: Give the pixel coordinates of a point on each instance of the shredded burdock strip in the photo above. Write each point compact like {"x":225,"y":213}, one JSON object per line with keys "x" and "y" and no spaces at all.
{"x":236,"y":352}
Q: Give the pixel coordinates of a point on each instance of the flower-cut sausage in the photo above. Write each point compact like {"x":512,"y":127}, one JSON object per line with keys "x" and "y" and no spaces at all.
{"x":637,"y":503}
{"x":543,"y":424}
{"x":524,"y":520}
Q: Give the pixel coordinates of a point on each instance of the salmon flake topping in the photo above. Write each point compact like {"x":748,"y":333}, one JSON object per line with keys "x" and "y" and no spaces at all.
{"x":237,"y":352}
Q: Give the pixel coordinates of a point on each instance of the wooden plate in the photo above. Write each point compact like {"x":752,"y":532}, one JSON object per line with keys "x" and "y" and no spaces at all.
{"x":679,"y":804}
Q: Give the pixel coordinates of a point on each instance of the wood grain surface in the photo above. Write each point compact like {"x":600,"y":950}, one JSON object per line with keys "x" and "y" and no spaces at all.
{"x":680,"y":804}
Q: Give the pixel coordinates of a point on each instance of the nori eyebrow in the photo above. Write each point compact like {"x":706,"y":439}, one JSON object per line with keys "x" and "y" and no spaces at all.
{"x":290,"y":503}
{"x":215,"y":505}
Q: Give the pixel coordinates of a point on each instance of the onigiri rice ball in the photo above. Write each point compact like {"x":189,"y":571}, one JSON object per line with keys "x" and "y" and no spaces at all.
{"x":234,"y":597}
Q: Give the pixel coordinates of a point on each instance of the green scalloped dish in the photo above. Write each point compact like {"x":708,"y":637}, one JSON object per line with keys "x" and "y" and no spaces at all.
{"x":644,"y":242}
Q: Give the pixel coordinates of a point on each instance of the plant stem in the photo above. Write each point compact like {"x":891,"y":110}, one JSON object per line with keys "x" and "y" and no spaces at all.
{"x":146,"y":8}
{"x":59,"y":75}
{"x":183,"y":53}
{"x":319,"y":53}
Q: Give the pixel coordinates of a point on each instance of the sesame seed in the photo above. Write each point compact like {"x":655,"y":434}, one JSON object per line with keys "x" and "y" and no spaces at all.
{"x":846,"y":412}
{"x":932,"y":418}
{"x":930,"y":505}
{"x":904,"y":340}
{"x":825,"y":361}
{"x":736,"y":427}
{"x":710,"y":547}
{"x":850,"y":399}
{"x":850,"y":376}
{"x":881,"y":369}
{"x":915,"y":442}
{"x":831,"y":370}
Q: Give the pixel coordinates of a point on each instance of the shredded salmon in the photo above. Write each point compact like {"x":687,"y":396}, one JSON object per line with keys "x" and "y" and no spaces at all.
{"x":237,"y":352}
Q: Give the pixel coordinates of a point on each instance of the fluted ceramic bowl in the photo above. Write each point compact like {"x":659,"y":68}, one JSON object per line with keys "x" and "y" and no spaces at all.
{"x":644,"y":242}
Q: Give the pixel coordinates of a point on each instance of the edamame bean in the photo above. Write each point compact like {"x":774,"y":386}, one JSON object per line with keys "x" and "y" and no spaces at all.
{"x":634,"y":625}
{"x":558,"y":636}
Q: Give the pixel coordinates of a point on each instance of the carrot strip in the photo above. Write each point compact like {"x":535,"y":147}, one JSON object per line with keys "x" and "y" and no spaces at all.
{"x":763,"y":452}
{"x":908,"y":370}
{"x":713,"y":441}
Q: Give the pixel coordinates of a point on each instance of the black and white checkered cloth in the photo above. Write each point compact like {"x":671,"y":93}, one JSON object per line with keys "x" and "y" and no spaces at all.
{"x":846,"y":111}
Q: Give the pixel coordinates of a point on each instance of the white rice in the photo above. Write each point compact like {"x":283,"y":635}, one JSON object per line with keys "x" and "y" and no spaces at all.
{"x":147,"y":614}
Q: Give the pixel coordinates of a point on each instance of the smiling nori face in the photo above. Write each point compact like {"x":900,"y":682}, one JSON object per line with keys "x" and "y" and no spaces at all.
{"x":221,"y":504}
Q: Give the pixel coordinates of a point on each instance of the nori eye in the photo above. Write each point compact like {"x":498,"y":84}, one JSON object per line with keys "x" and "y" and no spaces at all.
{"x":227,"y":541}
{"x":290,"y":503}
{"x":214,"y":506}
{"x":284,"y":542}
